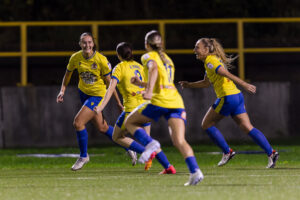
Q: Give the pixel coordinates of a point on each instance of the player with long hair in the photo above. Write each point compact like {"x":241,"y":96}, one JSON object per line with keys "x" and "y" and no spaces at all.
{"x":230,"y":100}
{"x":164,"y":100}
{"x":132,"y":97}
{"x":94,"y":76}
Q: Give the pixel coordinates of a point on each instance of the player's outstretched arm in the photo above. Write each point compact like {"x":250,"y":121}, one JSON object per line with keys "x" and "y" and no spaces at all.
{"x":248,"y":87}
{"x":198,"y":84}
{"x":65,"y":83}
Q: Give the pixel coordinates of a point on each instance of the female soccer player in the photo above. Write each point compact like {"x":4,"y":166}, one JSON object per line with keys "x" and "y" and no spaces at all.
{"x":94,"y":73}
{"x":230,"y":100}
{"x":132,"y":97}
{"x":164,"y":100}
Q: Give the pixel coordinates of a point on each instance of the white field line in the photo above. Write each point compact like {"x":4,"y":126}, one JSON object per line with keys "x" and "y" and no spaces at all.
{"x":64,"y":155}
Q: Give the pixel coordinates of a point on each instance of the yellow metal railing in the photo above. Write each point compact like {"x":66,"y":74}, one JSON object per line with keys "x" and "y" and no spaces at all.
{"x":240,"y":50}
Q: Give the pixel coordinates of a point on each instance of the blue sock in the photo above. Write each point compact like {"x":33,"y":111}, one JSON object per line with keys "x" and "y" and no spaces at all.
{"x":191,"y":163}
{"x":142,"y":136}
{"x":109,"y":134}
{"x":162,"y":159}
{"x":261,"y":140}
{"x":82,"y":138}
{"x":137,"y":147}
{"x":217,"y":137}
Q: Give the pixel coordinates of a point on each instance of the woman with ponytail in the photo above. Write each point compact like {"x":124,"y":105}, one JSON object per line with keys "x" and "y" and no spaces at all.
{"x":230,"y":100}
{"x":132,"y":97}
{"x":163,"y":100}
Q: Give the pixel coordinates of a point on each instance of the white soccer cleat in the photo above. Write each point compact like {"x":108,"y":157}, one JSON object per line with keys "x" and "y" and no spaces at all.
{"x":195,"y":178}
{"x":272,"y":159}
{"x":80,"y":162}
{"x":149,"y":149}
{"x":133,"y":156}
{"x":226,"y":158}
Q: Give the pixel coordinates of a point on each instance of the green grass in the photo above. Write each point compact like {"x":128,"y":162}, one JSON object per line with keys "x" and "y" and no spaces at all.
{"x":109,"y":175}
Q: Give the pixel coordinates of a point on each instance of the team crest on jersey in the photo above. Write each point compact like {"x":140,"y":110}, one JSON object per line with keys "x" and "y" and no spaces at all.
{"x":79,"y":63}
{"x":210,"y":66}
{"x":94,"y":66}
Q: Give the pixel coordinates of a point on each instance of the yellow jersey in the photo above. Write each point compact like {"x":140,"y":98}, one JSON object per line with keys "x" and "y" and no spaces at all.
{"x":123,"y":72}
{"x":91,"y":72}
{"x":165,"y":93}
{"x":222,"y":85}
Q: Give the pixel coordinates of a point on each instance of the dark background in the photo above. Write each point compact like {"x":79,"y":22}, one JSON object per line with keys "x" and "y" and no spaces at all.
{"x":283,"y":67}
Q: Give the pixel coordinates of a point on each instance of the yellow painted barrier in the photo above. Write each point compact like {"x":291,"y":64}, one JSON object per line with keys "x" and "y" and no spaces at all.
{"x":240,"y":50}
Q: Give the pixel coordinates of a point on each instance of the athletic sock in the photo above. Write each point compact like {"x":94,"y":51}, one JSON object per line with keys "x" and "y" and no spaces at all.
{"x":162,"y":159}
{"x":217,"y":137}
{"x":192,"y":164}
{"x":142,"y":136}
{"x":137,"y":147}
{"x":109,"y":134}
{"x":261,"y":140}
{"x":82,"y":138}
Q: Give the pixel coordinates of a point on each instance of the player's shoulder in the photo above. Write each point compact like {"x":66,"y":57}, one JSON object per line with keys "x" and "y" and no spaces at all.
{"x":148,"y":55}
{"x":76,"y":55}
{"x":100,"y":56}
{"x":212,"y":60}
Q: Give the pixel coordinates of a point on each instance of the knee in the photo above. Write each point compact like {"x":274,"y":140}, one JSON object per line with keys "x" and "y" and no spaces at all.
{"x":179,"y":143}
{"x":246,"y":128}
{"x":103,"y":128}
{"x":78,"y":125}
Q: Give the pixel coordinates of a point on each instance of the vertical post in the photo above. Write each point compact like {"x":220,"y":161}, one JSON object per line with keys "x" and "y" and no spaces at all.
{"x":162,"y":32}
{"x":24,"y":66}
{"x":240,"y":33}
{"x":95,"y":34}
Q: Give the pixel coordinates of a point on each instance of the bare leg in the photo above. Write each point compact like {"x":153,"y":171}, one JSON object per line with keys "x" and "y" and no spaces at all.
{"x":177,"y":128}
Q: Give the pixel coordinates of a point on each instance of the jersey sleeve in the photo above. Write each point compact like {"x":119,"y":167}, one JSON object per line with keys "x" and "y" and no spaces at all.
{"x":106,"y":67}
{"x":116,"y":73}
{"x":145,"y":59}
{"x":213,"y":65}
{"x":71,"y":65}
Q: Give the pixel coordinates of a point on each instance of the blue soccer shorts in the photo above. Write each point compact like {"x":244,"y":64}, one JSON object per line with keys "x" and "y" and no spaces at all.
{"x":155,"y":112}
{"x":230,"y":105}
{"x":121,"y":120}
{"x":89,"y":101}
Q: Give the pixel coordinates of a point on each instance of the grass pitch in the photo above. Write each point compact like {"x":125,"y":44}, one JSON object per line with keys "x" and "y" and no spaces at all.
{"x":109,"y":175}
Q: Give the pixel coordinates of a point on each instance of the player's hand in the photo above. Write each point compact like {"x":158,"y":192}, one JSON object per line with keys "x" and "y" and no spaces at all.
{"x":136,"y":80}
{"x":98,"y":109}
{"x":183,"y":84}
{"x":147,"y":95}
{"x":250,"y":88}
{"x":60,"y":97}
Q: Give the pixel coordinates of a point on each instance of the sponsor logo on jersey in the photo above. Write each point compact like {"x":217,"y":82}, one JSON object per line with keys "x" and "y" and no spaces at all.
{"x":88,"y":77}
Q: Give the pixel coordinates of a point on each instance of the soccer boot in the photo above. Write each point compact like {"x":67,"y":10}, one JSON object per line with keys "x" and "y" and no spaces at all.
{"x":80,"y":162}
{"x":272,"y":159}
{"x":170,"y":170}
{"x":133,"y":156}
{"x":149,"y":149}
{"x":148,"y":163}
{"x":226,"y":157}
{"x":195,"y":178}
